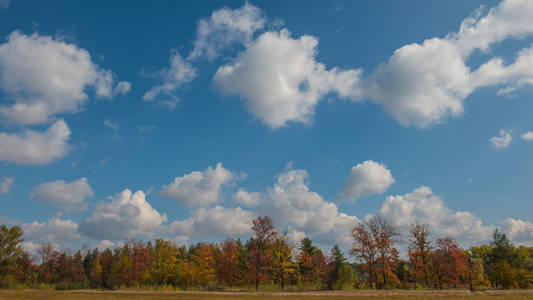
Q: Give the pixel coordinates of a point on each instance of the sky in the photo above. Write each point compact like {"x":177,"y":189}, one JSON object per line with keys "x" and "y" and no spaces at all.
{"x":187,"y":120}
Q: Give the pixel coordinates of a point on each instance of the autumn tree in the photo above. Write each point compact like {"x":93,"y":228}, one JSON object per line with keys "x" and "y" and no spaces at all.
{"x":165,"y":255}
{"x":258,"y":256}
{"x":203,"y":261}
{"x":227,"y":262}
{"x":305,"y":260}
{"x":384,"y":234}
{"x":419,"y":252}
{"x":448,"y":261}
{"x":364,"y":248}
{"x":282,"y":266}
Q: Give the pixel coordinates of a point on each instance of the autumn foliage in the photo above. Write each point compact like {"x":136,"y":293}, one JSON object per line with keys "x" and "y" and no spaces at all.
{"x":268,"y":260}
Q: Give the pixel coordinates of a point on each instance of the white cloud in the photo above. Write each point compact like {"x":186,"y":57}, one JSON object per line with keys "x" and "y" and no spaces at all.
{"x":290,"y":203}
{"x":67,"y":195}
{"x":281,"y":80}
{"x":528,"y":136}
{"x":423,"y":206}
{"x":295,"y":237}
{"x":216,"y":221}
{"x":5,"y":184}
{"x":181,"y":72}
{"x":35,"y":148}
{"x":199,"y":188}
{"x":246,"y":198}
{"x":419,"y":85}
{"x":519,"y":231}
{"x":45,"y":76}
{"x":104,"y":244}
{"x":224,"y":28}
{"x":502,"y":141}
{"x":126,"y":216}
{"x":422,"y":84}
{"x":367,"y":178}
{"x":51,"y":231}
{"x":511,"y":18}
{"x":111,"y":124}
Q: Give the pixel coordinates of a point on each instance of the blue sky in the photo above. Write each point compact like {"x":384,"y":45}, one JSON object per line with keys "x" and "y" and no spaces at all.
{"x":320,"y":114}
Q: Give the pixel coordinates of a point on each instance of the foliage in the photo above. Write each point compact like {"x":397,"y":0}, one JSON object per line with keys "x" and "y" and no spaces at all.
{"x":268,"y":261}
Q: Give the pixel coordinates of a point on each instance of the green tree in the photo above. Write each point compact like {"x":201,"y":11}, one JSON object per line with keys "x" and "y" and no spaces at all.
{"x":10,"y":249}
{"x":340,"y":274}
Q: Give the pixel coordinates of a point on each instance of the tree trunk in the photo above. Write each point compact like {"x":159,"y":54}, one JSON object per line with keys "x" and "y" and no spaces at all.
{"x":383,"y":272}
{"x":257,"y":264}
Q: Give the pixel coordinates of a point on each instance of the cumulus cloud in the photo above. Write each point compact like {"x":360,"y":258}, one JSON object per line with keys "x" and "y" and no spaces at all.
{"x":366,"y":178}
{"x":180,"y":72}
{"x":51,"y":231}
{"x":67,"y":195}
{"x":243,"y":197}
{"x":35,"y":148}
{"x":290,"y":202}
{"x":216,"y":221}
{"x":44,"y":76}
{"x":295,"y":237}
{"x":280,"y":79}
{"x":502,"y":141}
{"x":199,"y":188}
{"x":5,"y":184}
{"x":424,"y":207}
{"x":519,"y":231}
{"x":104,"y":244}
{"x":528,"y":136}
{"x":420,"y":85}
{"x":126,"y":216}
{"x":224,"y":28}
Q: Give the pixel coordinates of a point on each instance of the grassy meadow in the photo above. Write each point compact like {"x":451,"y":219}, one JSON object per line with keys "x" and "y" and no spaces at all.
{"x":162,"y":295}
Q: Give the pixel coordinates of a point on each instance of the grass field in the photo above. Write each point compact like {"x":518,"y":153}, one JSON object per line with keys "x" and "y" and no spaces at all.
{"x":145,"y":295}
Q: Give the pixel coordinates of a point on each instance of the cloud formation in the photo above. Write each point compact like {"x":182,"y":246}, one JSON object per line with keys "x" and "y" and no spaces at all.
{"x":224,"y":28}
{"x":67,"y":196}
{"x":216,"y":221}
{"x":199,"y":188}
{"x":367,"y":178}
{"x":502,"y":141}
{"x":290,"y":203}
{"x":424,"y":207}
{"x":31,"y":147}
{"x":527,"y":136}
{"x":180,"y":72}
{"x":5,"y":184}
{"x":53,"y":230}
{"x":245,"y":198}
{"x":280,"y":79}
{"x":419,"y":85}
{"x":44,"y":76}
{"x":519,"y":231}
{"x":126,"y":216}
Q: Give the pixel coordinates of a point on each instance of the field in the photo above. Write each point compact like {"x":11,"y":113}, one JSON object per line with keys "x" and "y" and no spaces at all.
{"x":145,"y":295}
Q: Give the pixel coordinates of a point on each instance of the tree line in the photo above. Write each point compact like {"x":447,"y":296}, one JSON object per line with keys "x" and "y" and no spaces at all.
{"x":267,"y":261}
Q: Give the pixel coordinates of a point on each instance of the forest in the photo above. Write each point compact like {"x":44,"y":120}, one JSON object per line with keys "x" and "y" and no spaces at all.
{"x":267,"y":261}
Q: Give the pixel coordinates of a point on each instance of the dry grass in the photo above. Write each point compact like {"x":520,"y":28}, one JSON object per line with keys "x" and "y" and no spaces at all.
{"x":361,"y":294}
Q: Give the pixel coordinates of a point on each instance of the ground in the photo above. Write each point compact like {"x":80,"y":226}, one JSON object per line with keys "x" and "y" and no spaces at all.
{"x":361,"y":294}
